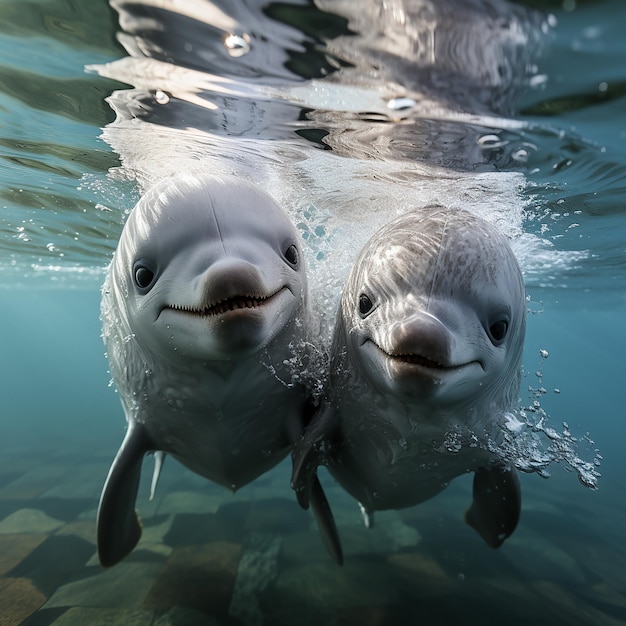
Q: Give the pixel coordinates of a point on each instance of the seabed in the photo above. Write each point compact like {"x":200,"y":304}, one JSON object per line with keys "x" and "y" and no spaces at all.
{"x":208,"y":556}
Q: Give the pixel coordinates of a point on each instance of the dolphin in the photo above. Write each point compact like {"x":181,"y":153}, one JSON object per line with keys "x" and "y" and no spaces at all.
{"x":425,"y":363}
{"x":203,"y":306}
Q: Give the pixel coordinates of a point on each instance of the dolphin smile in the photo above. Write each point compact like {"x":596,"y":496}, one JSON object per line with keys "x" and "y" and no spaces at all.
{"x":421,"y":360}
{"x":236,"y":303}
{"x":425,"y":362}
{"x":418,"y":359}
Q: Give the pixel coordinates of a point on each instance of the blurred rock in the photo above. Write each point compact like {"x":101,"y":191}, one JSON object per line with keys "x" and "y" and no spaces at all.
{"x":189,"y":502}
{"x":532,"y":555}
{"x":35,"y":481}
{"x":274,"y":515}
{"x":569,"y":609}
{"x":199,"y":577}
{"x":81,"y":616}
{"x":54,"y":561}
{"x":418,"y":566}
{"x":193,"y":529}
{"x":184,"y":616}
{"x":15,"y":548}
{"x":373,"y":616}
{"x":28,"y":521}
{"x":18,"y":599}
{"x":123,"y":586}
{"x":257,"y":570}
{"x":309,"y":586}
{"x":84,"y":529}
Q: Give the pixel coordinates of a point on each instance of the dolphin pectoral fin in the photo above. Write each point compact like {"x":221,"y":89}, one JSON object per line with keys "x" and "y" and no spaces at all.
{"x":325,"y":521}
{"x":495,"y":509}
{"x":159,"y":459}
{"x":307,"y":454}
{"x":118,"y":528}
{"x":305,"y":460}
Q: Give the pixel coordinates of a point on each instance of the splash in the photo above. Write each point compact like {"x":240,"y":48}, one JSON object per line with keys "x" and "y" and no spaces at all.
{"x":307,"y":366}
{"x":532,"y":444}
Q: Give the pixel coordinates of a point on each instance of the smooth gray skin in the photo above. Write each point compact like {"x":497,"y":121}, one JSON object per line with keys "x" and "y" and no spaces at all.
{"x":417,"y":384}
{"x":198,"y":354}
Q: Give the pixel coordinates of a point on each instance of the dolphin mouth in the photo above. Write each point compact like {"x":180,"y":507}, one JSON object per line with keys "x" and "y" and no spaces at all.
{"x":227,"y":305}
{"x":423,"y":361}
{"x":418,"y":359}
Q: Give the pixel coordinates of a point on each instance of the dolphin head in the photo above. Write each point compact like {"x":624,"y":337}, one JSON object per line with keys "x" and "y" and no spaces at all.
{"x":434,"y":311}
{"x":207,"y":268}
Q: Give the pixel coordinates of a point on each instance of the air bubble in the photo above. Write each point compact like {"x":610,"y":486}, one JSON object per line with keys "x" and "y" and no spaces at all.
{"x":521,"y":156}
{"x":161,"y":97}
{"x":538,"y":80}
{"x":513,"y":424}
{"x":237,"y":45}
{"x":401,"y":104}
{"x":490,"y":142}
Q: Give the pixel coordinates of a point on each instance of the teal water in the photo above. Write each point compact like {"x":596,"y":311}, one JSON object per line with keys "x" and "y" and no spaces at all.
{"x":553,"y":114}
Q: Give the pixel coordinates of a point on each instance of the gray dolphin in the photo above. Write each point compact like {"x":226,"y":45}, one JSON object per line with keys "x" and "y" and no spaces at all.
{"x":425,"y":363}
{"x":202,"y":307}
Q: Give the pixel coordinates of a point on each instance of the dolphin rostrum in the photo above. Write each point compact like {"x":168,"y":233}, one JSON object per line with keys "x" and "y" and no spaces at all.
{"x":425,"y":363}
{"x":202,"y":308}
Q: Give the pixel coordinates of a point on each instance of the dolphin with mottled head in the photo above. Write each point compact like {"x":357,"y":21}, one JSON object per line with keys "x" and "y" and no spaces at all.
{"x":203,"y":307}
{"x":425,"y":365}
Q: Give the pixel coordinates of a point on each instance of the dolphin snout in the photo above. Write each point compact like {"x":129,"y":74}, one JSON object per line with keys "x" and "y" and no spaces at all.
{"x":233,"y":278}
{"x":424,"y":336}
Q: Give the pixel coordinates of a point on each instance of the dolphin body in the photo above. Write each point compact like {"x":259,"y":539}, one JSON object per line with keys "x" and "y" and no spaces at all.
{"x":425,"y":362}
{"x":202,"y":307}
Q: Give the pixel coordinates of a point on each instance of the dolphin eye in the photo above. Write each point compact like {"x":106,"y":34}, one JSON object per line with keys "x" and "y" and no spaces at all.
{"x":291,"y":254}
{"x":365,"y":305}
{"x":142,"y":275}
{"x":498,"y":330}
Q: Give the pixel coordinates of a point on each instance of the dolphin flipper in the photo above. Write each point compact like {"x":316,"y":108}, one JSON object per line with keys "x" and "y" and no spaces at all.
{"x":305,"y":460}
{"x":325,"y":521}
{"x":495,"y":509}
{"x":306,"y":456}
{"x":118,"y":528}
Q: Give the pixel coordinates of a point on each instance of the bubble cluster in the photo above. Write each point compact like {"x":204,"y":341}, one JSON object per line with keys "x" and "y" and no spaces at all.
{"x":529,"y":441}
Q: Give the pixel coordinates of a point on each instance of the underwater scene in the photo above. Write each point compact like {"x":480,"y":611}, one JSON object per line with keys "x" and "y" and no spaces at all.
{"x":416,"y":208}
